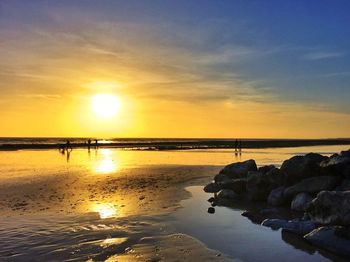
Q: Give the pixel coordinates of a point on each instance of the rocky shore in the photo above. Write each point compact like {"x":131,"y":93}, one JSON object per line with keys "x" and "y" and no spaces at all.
{"x":313,"y":188}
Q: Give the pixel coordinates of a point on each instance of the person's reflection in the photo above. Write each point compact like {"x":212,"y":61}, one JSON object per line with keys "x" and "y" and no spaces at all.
{"x":68,"y":154}
{"x":238,"y":155}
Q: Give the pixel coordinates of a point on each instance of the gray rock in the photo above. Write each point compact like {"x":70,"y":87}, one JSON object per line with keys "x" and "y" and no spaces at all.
{"x":257,"y":216}
{"x":227,"y":194}
{"x":276,"y":197}
{"x":345,"y":153}
{"x":295,"y":226}
{"x":237,"y":185}
{"x":336,"y":166}
{"x":258,"y":188}
{"x":301,"y":202}
{"x":330,"y":207}
{"x":300,"y":167}
{"x":211,"y":210}
{"x":275,"y":177}
{"x":212,"y":188}
{"x":345,"y":185}
{"x":343,"y":232}
{"x":265,"y":169}
{"x":239,"y":169}
{"x":221,"y":178}
{"x":312,"y":185}
{"x":260,"y":185}
{"x":326,"y":238}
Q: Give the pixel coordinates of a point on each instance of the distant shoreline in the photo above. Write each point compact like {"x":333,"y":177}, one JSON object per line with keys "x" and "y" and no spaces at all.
{"x":184,"y":144}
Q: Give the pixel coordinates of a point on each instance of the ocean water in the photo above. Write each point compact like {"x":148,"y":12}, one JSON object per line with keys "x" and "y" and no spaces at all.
{"x":96,"y":234}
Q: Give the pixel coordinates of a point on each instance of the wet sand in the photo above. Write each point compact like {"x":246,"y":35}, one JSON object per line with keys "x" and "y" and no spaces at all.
{"x":123,"y":206}
{"x":133,"y":191}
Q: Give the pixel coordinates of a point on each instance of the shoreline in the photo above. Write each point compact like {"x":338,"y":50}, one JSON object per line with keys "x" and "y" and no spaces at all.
{"x":184,"y":144}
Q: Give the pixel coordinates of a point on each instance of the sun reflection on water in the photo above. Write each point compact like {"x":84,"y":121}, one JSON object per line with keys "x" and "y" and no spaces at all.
{"x":105,"y":210}
{"x":106,"y":164}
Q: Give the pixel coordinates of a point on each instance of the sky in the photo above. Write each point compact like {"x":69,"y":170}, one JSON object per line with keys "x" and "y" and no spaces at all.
{"x":224,"y":69}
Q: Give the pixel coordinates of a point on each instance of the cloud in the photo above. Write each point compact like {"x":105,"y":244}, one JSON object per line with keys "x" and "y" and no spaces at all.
{"x":323,"y":55}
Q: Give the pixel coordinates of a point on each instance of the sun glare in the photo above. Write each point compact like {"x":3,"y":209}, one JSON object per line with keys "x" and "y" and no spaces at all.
{"x":105,"y":105}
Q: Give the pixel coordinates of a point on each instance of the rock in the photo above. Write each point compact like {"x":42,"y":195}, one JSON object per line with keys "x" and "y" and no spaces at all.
{"x":345,"y":153}
{"x":330,"y":207}
{"x":294,"y":226}
{"x":300,"y":167}
{"x":268,"y":211}
{"x":343,"y":232}
{"x":219,"y":178}
{"x":211,"y":200}
{"x":237,"y":185}
{"x":345,"y":185}
{"x":211,"y":210}
{"x":312,"y":185}
{"x":295,"y":241}
{"x":265,"y":169}
{"x":260,"y":185}
{"x":239,"y":169}
{"x":212,"y":188}
{"x":336,"y":166}
{"x":276,"y":197}
{"x":301,"y":202}
{"x":326,"y":238}
{"x":227,"y":194}
{"x":258,"y":188}
{"x":275,"y":177}
{"x":257,"y":216}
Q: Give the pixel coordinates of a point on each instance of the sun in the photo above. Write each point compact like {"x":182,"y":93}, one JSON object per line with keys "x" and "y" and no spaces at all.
{"x":105,"y":105}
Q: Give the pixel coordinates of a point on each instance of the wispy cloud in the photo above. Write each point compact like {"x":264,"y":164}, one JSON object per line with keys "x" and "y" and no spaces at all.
{"x":323,"y":55}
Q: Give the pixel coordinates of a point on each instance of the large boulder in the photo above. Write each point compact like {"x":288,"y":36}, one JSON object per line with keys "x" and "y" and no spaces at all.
{"x":300,"y":167}
{"x":312,"y":185}
{"x":227,"y":194}
{"x":275,"y":177}
{"x":345,"y":153}
{"x":237,"y":185}
{"x":265,"y":169}
{"x":260,"y":185}
{"x":330,"y":207}
{"x":258,"y":188}
{"x":301,"y":202}
{"x":239,"y":169}
{"x":276,"y":197}
{"x":212,"y":188}
{"x":336,"y":166}
{"x":257,"y":216}
{"x":296,"y":226}
{"x":344,"y":186}
{"x":326,"y":238}
{"x":219,"y":178}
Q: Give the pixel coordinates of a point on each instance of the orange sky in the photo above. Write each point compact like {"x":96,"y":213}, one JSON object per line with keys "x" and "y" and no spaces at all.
{"x":172,"y":80}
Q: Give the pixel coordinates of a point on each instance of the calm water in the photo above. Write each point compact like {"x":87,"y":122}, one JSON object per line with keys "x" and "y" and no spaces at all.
{"x":101,"y":233}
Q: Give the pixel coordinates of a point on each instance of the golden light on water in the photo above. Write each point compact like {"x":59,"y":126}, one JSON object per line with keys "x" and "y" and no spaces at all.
{"x":105,"y":210}
{"x":107,"y":164}
{"x":105,"y":105}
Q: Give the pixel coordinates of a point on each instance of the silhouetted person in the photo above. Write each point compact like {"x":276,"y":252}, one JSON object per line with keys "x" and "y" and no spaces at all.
{"x":240,"y":145}
{"x":89,"y":144}
{"x":68,"y":154}
{"x":236,"y":145}
{"x":68,"y":145}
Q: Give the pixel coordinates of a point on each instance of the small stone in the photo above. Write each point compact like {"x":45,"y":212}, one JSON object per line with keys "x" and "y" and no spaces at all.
{"x":211,"y":210}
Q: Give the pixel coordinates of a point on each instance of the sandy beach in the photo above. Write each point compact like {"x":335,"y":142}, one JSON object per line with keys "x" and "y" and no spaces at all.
{"x":115,"y":205}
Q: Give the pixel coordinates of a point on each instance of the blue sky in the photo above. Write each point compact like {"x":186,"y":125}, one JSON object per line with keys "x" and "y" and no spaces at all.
{"x":292,"y":52}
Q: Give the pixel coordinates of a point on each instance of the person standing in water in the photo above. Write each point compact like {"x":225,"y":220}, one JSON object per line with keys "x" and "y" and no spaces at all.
{"x":89,"y":144}
{"x":68,"y":145}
